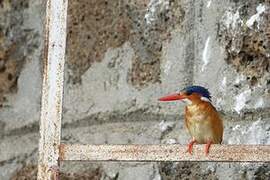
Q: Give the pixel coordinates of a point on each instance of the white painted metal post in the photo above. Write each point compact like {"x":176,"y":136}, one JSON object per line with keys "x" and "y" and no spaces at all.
{"x":52,"y":89}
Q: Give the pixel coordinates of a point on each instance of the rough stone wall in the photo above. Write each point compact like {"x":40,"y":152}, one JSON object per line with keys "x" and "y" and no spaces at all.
{"x":121,"y":56}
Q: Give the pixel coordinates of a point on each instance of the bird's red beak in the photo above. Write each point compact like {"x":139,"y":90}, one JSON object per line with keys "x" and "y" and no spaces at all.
{"x":172,"y":97}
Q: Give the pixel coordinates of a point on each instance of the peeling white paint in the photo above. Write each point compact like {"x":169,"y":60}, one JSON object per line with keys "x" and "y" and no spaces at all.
{"x":218,"y":102}
{"x":237,"y":127}
{"x":171,"y":141}
{"x":256,"y":17}
{"x":259,"y":103}
{"x":209,"y":3}
{"x":240,"y":100}
{"x":156,"y":175}
{"x":249,"y":133}
{"x":232,"y":19}
{"x":234,"y":140}
{"x":205,"y":54}
{"x":255,"y":132}
{"x":239,"y":78}
{"x":152,"y":7}
{"x":164,"y":126}
{"x":167,"y":67}
{"x":224,"y":82}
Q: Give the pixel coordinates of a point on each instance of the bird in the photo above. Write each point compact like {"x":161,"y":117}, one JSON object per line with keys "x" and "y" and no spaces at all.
{"x":202,"y":120}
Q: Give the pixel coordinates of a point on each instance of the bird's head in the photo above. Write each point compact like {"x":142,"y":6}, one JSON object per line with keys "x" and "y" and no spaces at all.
{"x":190,"y":94}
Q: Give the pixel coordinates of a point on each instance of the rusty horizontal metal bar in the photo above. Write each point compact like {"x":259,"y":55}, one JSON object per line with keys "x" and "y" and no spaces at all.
{"x":164,"y":152}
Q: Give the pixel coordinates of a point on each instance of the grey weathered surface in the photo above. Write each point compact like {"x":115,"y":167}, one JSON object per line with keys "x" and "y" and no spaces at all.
{"x":111,"y":96}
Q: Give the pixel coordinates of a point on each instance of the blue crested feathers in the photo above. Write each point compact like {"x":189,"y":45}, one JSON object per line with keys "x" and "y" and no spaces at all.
{"x":198,"y":89}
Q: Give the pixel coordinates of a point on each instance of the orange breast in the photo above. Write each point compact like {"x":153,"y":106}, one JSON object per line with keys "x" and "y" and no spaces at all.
{"x":204,"y":123}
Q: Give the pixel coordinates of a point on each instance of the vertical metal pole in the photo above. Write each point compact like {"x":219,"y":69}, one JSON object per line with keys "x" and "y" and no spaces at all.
{"x":52,"y":89}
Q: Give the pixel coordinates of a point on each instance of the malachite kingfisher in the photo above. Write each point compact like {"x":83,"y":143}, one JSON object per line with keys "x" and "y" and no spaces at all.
{"x":201,"y":118}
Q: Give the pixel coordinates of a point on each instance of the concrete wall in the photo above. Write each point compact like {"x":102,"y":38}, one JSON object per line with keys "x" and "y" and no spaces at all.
{"x":121,"y":56}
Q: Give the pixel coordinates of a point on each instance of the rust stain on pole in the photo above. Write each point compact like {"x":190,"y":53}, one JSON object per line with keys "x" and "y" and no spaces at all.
{"x":218,"y":153}
{"x":52,"y":89}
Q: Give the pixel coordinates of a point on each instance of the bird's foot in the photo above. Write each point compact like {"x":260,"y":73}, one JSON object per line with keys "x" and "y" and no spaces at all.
{"x":190,"y":146}
{"x":207,"y":147}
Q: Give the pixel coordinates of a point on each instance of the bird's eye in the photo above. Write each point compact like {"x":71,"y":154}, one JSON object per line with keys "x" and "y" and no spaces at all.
{"x":188,"y":93}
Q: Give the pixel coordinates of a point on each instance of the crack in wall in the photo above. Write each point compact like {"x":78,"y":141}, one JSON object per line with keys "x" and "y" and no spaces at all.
{"x":139,"y":116}
{"x":20,"y":159}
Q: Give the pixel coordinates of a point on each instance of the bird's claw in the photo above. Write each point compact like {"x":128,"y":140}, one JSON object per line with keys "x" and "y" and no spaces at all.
{"x":207,"y":147}
{"x":190,"y":146}
{"x":206,"y":150}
